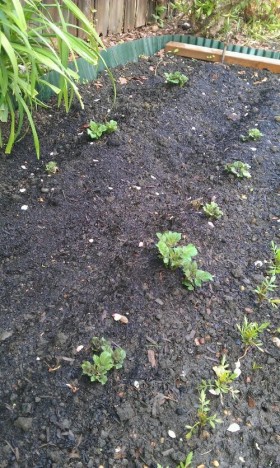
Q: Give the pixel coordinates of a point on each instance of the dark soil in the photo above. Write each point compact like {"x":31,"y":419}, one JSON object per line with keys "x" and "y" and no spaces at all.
{"x":85,"y":249}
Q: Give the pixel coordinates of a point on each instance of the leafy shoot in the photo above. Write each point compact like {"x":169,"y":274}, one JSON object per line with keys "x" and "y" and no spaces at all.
{"x":96,"y":129}
{"x":203,"y":416}
{"x":253,"y":134}
{"x":172,"y":255}
{"x":193,"y":277}
{"x":104,"y":362}
{"x":267,"y":285}
{"x":176,"y":78}
{"x":225,"y":377}
{"x":51,"y":167}
{"x":250,"y":332}
{"x":239,"y":169}
{"x":212,"y":210}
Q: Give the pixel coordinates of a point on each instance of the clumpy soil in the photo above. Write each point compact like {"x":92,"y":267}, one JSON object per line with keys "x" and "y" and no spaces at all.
{"x":84,"y":249}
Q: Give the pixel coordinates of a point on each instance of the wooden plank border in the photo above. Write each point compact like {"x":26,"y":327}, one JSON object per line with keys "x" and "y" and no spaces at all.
{"x":223,"y":56}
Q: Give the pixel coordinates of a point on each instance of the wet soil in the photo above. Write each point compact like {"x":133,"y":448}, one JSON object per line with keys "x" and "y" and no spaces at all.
{"x":84,"y":249}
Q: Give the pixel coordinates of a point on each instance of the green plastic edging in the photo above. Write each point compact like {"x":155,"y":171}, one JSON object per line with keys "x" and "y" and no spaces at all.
{"x":122,"y":54}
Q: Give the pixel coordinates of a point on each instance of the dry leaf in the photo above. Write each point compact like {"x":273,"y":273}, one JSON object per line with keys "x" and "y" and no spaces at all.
{"x":122,"y":80}
{"x":53,"y":369}
{"x":151,"y":358}
{"x":251,"y":402}
{"x":72,"y":388}
{"x":276,"y":341}
{"x":120,"y":318}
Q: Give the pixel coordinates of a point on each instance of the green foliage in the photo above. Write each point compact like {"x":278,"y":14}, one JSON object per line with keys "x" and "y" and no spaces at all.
{"x":212,"y":210}
{"x":173,"y":256}
{"x":181,"y":257}
{"x":250,"y":332}
{"x":159,"y":12}
{"x":32,"y":45}
{"x":187,"y":462}
{"x":104,"y":362}
{"x":253,"y":134}
{"x":176,"y":78}
{"x":239,"y":169}
{"x":181,"y":6}
{"x":275,"y":268}
{"x":193,"y":277}
{"x":267,"y":285}
{"x":225,"y":377}
{"x":203,"y":8}
{"x":51,"y":167}
{"x":204,"y":417}
{"x":96,"y":130}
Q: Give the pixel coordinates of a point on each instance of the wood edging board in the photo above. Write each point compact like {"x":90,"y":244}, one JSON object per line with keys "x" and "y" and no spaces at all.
{"x":216,"y":55}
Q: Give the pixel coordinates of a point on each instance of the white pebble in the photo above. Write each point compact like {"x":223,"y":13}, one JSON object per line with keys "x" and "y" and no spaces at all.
{"x":172,"y":434}
{"x":24,"y":207}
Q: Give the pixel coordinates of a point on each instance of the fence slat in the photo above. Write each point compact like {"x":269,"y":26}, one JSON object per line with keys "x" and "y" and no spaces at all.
{"x":129,"y":15}
{"x":102,"y":16}
{"x":141,"y":12}
{"x":116,"y":13}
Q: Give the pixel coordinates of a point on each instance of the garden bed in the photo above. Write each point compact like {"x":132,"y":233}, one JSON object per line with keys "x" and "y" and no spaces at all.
{"x":79,"y":246}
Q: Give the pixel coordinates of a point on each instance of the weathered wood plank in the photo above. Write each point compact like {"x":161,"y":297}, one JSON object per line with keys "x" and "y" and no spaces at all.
{"x":116,"y":13}
{"x":217,"y":55}
{"x":102,"y":16}
{"x":129,"y":15}
{"x":141,"y":13}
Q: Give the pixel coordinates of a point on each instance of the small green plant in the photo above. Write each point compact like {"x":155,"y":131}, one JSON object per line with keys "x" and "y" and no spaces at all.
{"x":253,"y":134}
{"x":176,"y":78}
{"x":159,"y":12}
{"x":172,"y":255}
{"x":250,"y":332}
{"x":267,"y":285}
{"x":187,"y":462}
{"x":256,"y":366}
{"x":212,"y":210}
{"x":193,"y":277}
{"x":275,"y":268}
{"x":51,"y":167}
{"x":96,"y":130}
{"x":103,"y":362}
{"x":239,"y":169}
{"x":225,"y":377}
{"x":203,"y":416}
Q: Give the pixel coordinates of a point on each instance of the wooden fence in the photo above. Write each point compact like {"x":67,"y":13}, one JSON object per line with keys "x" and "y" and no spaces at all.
{"x":115,"y":16}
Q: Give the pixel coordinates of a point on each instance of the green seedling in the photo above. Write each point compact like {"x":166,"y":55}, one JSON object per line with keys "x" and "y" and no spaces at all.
{"x":225,"y":377}
{"x":193,"y":277}
{"x":275,"y":268}
{"x":51,"y":167}
{"x":267,"y":285}
{"x":96,"y":130}
{"x":176,"y":78}
{"x":204,"y":417}
{"x":239,"y":169}
{"x":103,"y":362}
{"x":256,"y":366}
{"x":253,"y":134}
{"x":212,"y":210}
{"x":250,"y":332}
{"x":172,"y":255}
{"x":187,"y":462}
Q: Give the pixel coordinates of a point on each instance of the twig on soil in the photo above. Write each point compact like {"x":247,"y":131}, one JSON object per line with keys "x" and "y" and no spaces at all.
{"x":14,"y":450}
{"x":211,"y":359}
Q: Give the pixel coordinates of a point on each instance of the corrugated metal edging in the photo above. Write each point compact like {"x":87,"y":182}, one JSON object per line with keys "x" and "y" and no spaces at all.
{"x":130,"y":52}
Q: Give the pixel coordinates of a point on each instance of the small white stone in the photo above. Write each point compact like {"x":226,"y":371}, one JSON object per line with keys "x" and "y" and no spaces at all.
{"x":141,"y":244}
{"x":253,"y":149}
{"x":136,"y":384}
{"x":110,"y":188}
{"x":153,"y":177}
{"x":23,"y":167}
{"x":79,"y":348}
{"x":258,"y":263}
{"x":211,"y":224}
{"x":22,"y":190}
{"x":193,"y":128}
{"x":95,"y":160}
{"x":233,"y":427}
{"x":24,"y":207}
{"x":172,"y":434}
{"x":91,"y":241}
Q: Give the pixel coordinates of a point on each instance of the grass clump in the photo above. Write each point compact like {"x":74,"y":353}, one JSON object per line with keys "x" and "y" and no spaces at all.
{"x":176,"y":78}
{"x":239,"y":169}
{"x":105,"y":359}
{"x":96,"y":130}
{"x":224,"y":378}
